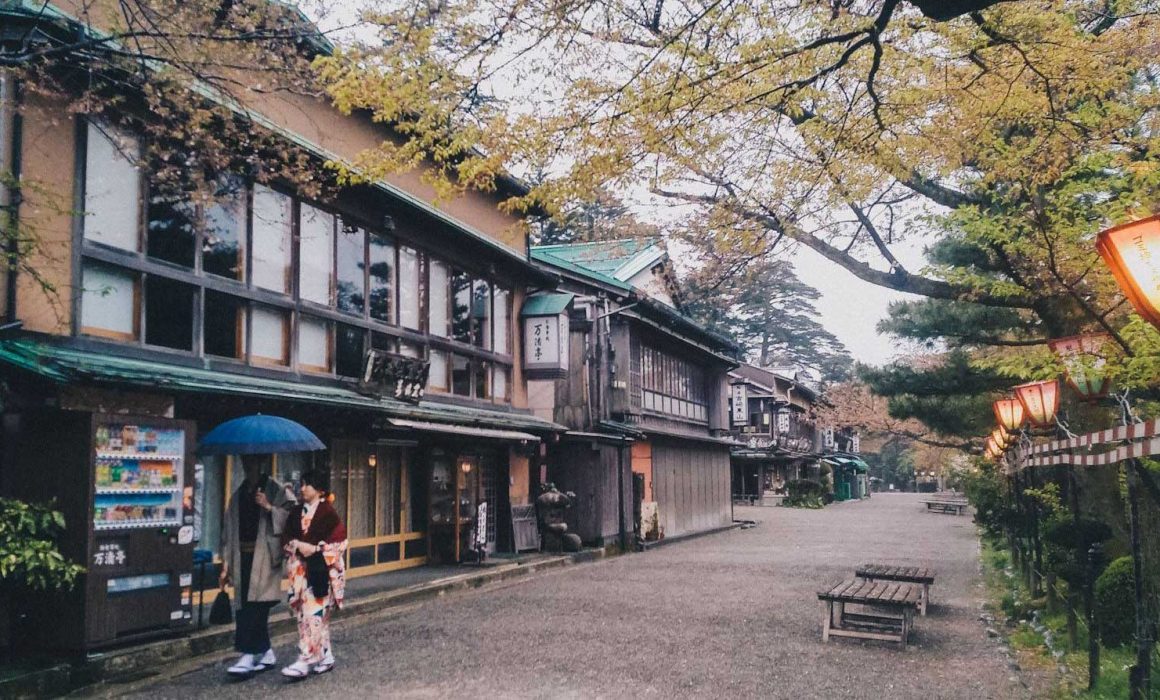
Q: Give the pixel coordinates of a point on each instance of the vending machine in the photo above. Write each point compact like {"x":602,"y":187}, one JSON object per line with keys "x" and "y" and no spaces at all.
{"x":125,"y":486}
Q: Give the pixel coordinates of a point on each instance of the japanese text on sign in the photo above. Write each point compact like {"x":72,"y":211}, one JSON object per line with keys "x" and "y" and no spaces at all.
{"x":543,"y":335}
{"x":740,"y":404}
{"x":109,"y":554}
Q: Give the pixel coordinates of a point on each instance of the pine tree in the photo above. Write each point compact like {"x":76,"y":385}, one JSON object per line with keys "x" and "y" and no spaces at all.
{"x":770,"y":313}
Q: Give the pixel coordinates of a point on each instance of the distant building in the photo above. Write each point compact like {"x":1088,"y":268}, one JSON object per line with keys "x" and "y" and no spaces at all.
{"x":774,"y":419}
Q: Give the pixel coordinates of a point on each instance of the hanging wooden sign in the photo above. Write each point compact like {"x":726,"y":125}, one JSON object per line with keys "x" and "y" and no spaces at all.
{"x":397,"y":376}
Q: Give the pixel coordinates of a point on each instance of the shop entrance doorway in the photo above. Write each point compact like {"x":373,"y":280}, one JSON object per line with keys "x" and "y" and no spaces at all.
{"x":379,"y":496}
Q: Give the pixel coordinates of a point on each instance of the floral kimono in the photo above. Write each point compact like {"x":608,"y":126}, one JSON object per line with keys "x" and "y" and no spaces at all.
{"x":316,"y":524}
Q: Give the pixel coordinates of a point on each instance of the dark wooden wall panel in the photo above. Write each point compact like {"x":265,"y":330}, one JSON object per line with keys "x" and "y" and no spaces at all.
{"x":588,"y":469}
{"x":691,"y":482}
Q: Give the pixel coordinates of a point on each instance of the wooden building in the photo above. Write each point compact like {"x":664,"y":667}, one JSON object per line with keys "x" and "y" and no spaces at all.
{"x":149,"y":309}
{"x":641,"y":388}
{"x":773,"y":417}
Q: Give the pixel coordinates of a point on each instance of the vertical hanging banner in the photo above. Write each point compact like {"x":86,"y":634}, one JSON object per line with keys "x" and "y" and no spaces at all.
{"x":740,"y":404}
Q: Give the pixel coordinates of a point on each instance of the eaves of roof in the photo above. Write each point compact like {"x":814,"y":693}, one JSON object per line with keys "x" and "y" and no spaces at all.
{"x":65,"y":365}
{"x":40,"y":11}
{"x":687,"y":325}
{"x":643,"y":260}
{"x":746,"y":380}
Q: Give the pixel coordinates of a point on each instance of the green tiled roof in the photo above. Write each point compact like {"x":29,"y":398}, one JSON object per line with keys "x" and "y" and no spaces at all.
{"x":578,"y":259}
{"x":67,"y":365}
{"x":549,"y":258}
{"x":603,"y":257}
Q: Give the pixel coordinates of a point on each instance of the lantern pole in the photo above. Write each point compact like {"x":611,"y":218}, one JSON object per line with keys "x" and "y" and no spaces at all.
{"x":1025,"y":549}
{"x":1139,"y":676}
{"x":1072,"y":592}
{"x":1139,"y":679}
{"x":1036,"y":543}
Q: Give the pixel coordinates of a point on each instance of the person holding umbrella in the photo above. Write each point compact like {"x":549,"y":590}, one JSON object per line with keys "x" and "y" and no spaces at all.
{"x":255,"y":519}
{"x":252,"y":559}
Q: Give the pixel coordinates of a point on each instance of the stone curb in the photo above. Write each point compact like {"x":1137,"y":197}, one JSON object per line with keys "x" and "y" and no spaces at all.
{"x":123,"y":666}
{"x":647,"y":546}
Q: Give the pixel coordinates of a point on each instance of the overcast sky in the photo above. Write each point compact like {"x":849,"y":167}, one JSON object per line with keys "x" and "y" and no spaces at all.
{"x":850,"y":308}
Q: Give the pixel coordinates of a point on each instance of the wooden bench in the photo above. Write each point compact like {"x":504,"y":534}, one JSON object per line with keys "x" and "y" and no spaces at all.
{"x":905,"y":574}
{"x":938,"y":505}
{"x":888,"y":613}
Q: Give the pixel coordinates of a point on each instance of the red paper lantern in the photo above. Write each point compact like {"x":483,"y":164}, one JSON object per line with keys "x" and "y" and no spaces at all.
{"x":1040,"y":400}
{"x":1009,"y":413}
{"x":1083,"y":358}
{"x":1132,"y":252}
{"x":1001,"y":438}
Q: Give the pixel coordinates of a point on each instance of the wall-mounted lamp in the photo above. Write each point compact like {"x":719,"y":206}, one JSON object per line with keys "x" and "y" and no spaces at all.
{"x":372,"y":460}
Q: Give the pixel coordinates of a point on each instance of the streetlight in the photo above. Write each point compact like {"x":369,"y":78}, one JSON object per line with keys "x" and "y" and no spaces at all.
{"x":1132,"y":251}
{"x":1083,"y":360}
{"x":1040,"y":400}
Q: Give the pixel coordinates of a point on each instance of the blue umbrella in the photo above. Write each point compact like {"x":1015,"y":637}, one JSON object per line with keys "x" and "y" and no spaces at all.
{"x":259,"y":434}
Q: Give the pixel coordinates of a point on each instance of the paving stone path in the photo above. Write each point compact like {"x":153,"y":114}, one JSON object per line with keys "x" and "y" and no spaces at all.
{"x":728,"y":615}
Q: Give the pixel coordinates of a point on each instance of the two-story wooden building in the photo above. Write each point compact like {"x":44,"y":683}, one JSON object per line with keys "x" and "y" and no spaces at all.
{"x":774,"y":419}
{"x":153,"y":319}
{"x":641,"y":388}
{"x":772,"y":416}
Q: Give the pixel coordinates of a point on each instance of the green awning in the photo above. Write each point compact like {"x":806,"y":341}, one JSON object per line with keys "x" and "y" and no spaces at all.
{"x":64,"y":365}
{"x":546,"y":304}
{"x":851,"y":462}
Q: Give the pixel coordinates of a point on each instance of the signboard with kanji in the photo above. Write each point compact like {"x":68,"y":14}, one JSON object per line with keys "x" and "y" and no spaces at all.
{"x":740,"y":404}
{"x":546,"y":339}
{"x":396,"y":376}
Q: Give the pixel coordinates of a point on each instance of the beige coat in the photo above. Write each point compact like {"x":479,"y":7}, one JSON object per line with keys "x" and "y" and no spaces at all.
{"x":266,"y":575}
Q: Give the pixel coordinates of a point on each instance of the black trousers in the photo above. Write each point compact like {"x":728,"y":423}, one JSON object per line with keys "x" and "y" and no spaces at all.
{"x":252,"y":621}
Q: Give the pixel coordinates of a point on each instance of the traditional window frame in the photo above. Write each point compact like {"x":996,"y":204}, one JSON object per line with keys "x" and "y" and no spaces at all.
{"x":673,"y":387}
{"x":140,"y":264}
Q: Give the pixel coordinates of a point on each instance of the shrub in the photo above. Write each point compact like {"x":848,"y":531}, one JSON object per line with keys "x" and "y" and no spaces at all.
{"x":803,"y":488}
{"x":1115,"y":603}
{"x":803,"y":493}
{"x":986,"y":492}
{"x":1067,"y":546}
{"x":28,"y":552}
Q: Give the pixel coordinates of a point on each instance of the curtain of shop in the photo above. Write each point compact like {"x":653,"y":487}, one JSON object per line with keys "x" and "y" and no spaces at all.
{"x":388,"y":475}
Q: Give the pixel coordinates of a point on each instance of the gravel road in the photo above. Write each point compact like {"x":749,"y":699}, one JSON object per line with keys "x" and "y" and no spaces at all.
{"x":728,"y":615}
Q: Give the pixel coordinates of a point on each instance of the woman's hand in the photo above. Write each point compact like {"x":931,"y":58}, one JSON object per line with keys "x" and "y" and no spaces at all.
{"x":224,"y":578}
{"x":306,"y":549}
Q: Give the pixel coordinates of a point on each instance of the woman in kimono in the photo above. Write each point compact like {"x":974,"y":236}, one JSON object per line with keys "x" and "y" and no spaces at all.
{"x":315,"y":542}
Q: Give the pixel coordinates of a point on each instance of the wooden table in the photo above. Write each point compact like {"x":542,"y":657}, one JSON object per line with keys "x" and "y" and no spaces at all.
{"x":940,"y":505}
{"x":897,"y":600}
{"x":905,"y":574}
